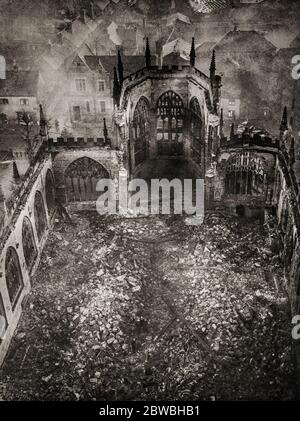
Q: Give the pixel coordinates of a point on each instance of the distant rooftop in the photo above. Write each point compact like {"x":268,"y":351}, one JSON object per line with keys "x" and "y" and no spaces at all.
{"x":19,"y":83}
{"x":244,"y":41}
{"x":130,"y":63}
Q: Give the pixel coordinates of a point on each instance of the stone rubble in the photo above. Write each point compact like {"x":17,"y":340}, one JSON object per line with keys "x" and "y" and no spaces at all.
{"x":152,"y":308}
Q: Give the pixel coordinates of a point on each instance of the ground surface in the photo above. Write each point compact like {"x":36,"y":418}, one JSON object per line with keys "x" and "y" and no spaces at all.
{"x":153,"y":309}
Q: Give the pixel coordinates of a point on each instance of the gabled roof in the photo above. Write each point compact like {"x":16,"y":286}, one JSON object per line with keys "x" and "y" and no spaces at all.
{"x":177,"y":16}
{"x":130,"y":63}
{"x":19,"y":83}
{"x":244,"y":41}
{"x":102,"y":4}
{"x":178,"y":46}
{"x":205,"y":47}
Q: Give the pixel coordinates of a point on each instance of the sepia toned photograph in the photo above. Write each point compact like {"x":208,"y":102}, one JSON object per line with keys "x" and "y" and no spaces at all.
{"x":149,"y":203}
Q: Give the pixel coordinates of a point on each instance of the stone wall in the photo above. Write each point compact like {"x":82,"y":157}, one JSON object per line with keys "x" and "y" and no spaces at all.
{"x":12,"y":237}
{"x":110,"y":159}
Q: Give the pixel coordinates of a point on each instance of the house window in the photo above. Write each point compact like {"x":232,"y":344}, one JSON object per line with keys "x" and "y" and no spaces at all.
{"x":24,"y":101}
{"x":3,"y":101}
{"x":80,"y":85}
{"x":102,"y":106}
{"x":76,"y":113}
{"x":101,"y":85}
{"x":231,"y":114}
{"x":24,"y":118}
{"x":88,"y":108}
{"x":3,"y":119}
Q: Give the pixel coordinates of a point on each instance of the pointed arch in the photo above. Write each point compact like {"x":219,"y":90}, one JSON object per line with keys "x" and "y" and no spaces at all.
{"x":81,"y":178}
{"x":197,"y":130}
{"x":245,"y":174}
{"x":140,"y":130}
{"x":50,"y":192}
{"x":39,"y":215}
{"x":170,"y":113}
{"x":13,"y":276}
{"x":28,"y":241}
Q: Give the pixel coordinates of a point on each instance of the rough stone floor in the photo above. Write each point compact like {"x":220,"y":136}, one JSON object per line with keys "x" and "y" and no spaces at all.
{"x":153,"y":309}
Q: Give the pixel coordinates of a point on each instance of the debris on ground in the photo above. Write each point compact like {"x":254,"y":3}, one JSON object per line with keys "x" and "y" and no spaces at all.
{"x":153,"y":309}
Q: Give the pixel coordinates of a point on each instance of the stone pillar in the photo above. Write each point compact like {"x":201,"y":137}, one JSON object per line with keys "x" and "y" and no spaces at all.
{"x":152,"y":134}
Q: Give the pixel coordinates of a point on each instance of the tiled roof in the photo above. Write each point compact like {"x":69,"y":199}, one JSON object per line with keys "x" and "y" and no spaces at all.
{"x":208,"y":6}
{"x":205,"y":47}
{"x":19,"y":83}
{"x":244,"y":41}
{"x":6,"y":156}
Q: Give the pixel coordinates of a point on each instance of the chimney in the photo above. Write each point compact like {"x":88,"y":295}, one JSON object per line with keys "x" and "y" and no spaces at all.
{"x":83,"y":15}
{"x":92,"y":10}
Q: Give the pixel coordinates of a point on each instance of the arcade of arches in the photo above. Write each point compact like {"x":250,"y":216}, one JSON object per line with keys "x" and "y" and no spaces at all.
{"x":175,"y":132}
{"x":81,"y":178}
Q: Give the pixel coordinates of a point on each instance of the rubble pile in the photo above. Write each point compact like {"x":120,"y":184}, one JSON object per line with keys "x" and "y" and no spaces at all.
{"x":150,"y":308}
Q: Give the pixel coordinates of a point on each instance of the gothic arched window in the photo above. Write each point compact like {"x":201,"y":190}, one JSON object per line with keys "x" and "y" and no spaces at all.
{"x":140,"y":130}
{"x":245,"y":174}
{"x":29,"y":246}
{"x":81,"y":178}
{"x":50,"y":192}
{"x":39,"y":215}
{"x":13,"y":276}
{"x":170,"y":112}
{"x":3,"y":319}
{"x":196,"y":130}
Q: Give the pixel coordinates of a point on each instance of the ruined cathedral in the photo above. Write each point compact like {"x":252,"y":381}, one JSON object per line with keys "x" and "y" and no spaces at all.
{"x":166,"y":123}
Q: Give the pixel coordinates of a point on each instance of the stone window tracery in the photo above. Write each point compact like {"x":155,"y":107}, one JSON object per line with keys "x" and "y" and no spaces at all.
{"x":170,"y":112}
{"x":50,"y":192}
{"x":140,"y":130}
{"x":39,"y":215}
{"x":29,"y":246}
{"x":245,"y":174}
{"x":13,"y":276}
{"x":196,"y":130}
{"x":81,"y":178}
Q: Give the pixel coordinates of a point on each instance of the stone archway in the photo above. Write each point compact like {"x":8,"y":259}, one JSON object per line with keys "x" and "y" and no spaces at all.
{"x":245,"y":175}
{"x":81,"y":179}
{"x":170,"y":113}
{"x":13,"y":276}
{"x":140,"y":131}
{"x":29,"y":246}
{"x":50,"y":192}
{"x":197,"y":132}
{"x":39,"y":215}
